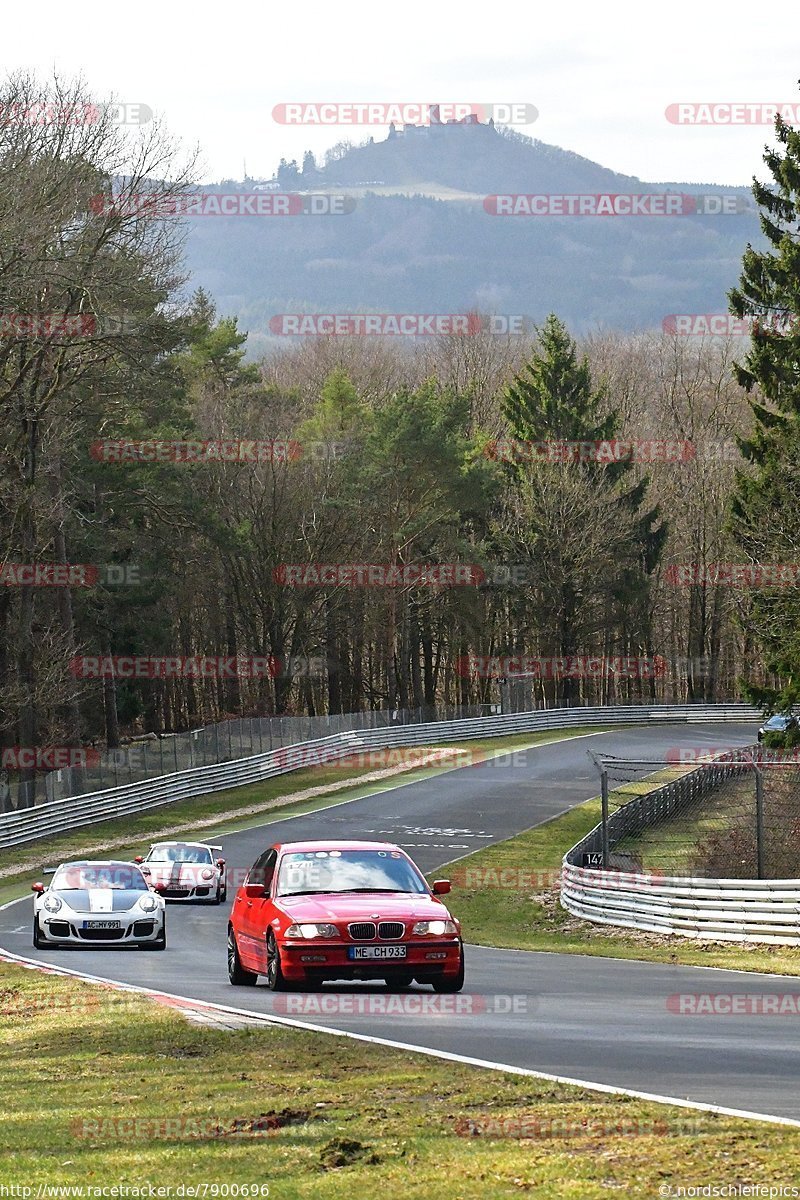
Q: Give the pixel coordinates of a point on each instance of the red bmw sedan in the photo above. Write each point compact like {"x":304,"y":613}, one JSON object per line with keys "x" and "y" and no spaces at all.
{"x":315,"y":911}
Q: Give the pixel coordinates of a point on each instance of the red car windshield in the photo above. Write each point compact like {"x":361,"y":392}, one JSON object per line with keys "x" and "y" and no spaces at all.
{"x":303,"y":874}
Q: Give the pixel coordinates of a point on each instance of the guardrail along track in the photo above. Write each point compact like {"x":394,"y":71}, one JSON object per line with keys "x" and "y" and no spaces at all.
{"x":74,"y":812}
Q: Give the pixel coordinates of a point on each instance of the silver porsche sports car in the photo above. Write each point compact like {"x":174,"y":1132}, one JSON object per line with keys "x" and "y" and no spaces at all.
{"x":98,"y":904}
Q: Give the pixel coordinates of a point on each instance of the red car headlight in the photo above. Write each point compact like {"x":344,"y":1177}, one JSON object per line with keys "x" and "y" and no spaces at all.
{"x":436,"y":928}
{"x":312,"y":931}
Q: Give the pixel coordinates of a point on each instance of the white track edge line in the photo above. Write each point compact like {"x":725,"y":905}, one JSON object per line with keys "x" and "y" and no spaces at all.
{"x":446,"y":1055}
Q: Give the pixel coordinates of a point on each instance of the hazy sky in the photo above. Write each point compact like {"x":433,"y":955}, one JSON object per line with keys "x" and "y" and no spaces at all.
{"x":600,"y":74}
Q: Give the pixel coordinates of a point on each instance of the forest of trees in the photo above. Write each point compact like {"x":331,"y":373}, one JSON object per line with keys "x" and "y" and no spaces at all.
{"x":381,"y":453}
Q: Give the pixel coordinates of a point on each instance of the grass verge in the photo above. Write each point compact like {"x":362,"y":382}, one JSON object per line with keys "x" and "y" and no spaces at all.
{"x":508,"y":896}
{"x":300,"y":792}
{"x":91,"y":1077}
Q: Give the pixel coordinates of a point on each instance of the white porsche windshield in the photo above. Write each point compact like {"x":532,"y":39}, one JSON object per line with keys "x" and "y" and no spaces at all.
{"x":117,"y":878}
{"x":180,"y":854}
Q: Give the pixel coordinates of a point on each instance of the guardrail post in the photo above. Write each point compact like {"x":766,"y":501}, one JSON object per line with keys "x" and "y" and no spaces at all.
{"x":759,"y":820}
{"x":604,"y":806}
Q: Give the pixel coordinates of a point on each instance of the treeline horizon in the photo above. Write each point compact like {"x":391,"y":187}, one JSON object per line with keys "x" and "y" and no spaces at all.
{"x":575,"y":560}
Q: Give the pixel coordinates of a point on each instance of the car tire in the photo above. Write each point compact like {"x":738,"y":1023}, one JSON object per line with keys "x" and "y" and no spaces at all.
{"x":275,"y":979}
{"x":237,"y":975}
{"x":38,"y":941}
{"x":218,"y":897}
{"x":158,"y":944}
{"x":448,"y":983}
{"x":399,"y":980}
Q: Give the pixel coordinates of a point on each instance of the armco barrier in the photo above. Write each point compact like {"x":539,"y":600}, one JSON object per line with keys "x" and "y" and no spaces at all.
{"x":736,"y":910}
{"x":74,"y":812}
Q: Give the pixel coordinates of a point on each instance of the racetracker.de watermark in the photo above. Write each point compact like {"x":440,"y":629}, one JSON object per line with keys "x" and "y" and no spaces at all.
{"x":127,"y":1129}
{"x":605,"y":452}
{"x":48,"y":112}
{"x":726,"y":325}
{"x":225,"y":204}
{"x":238,"y":450}
{"x":556,"y":1128}
{"x":413,"y":1004}
{"x":730,"y":112}
{"x":47,"y":758}
{"x":398,"y":324}
{"x":615,"y":204}
{"x":733,"y":575}
{"x":734,"y":1004}
{"x":573,"y":666}
{"x":403,"y":112}
{"x":69,"y":575}
{"x":150,"y":666}
{"x":389,"y":575}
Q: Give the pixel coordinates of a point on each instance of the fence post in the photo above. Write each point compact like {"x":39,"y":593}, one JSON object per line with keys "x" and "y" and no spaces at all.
{"x":604,"y":804}
{"x":759,"y":820}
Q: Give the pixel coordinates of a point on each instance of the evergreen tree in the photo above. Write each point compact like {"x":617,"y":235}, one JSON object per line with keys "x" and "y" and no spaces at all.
{"x":554,"y":400}
{"x":767,"y":496}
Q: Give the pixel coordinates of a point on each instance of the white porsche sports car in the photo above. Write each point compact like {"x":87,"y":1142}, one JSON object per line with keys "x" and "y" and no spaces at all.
{"x":104,"y":903}
{"x":185,"y":871}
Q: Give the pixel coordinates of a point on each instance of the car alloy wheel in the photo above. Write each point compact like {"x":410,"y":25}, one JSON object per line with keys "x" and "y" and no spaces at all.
{"x":275,"y":979}
{"x":237,"y":975}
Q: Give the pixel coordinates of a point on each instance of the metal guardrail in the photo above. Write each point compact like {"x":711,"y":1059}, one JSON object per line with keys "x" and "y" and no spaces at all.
{"x":75,"y":812}
{"x":739,"y":910}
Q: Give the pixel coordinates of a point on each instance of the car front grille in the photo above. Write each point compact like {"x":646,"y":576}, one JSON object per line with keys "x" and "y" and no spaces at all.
{"x":58,"y":928}
{"x":143,"y":928}
{"x":101,"y":935}
{"x":174,"y":893}
{"x":391,"y":931}
{"x":361,"y":931}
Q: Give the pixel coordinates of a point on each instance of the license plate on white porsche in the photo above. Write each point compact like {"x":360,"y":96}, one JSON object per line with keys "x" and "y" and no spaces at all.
{"x":376,"y":951}
{"x":101,"y":924}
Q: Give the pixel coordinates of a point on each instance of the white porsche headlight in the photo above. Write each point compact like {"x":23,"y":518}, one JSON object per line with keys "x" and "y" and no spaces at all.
{"x":51,"y":903}
{"x":148,"y":904}
{"x":207,"y":874}
{"x":437,"y":928}
{"x":312,"y":931}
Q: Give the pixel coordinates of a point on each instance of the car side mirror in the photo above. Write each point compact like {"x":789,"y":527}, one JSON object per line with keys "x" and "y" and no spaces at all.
{"x":38,"y":888}
{"x":220,"y":863}
{"x":441,"y":887}
{"x":255,"y":891}
{"x":139,"y":858}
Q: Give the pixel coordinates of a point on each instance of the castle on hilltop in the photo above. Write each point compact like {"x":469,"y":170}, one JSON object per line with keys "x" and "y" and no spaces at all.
{"x":436,"y":123}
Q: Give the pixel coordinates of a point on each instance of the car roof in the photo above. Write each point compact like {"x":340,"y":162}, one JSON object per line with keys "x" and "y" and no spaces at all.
{"x":172,"y":842}
{"x":332,"y":844}
{"x":98,"y":862}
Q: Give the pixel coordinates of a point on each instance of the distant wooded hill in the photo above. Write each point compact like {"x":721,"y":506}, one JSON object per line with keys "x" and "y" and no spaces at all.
{"x":419,"y":240}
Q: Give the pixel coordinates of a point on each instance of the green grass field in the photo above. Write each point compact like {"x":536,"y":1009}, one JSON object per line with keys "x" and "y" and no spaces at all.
{"x":507,"y":895}
{"x":103,"y":1088}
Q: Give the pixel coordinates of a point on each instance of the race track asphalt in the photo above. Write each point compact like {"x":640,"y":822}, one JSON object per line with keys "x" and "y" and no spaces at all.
{"x":601,"y":1020}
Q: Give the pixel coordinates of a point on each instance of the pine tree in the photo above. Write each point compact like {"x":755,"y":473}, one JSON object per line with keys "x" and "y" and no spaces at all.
{"x":555,"y":400}
{"x":767,"y":496}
